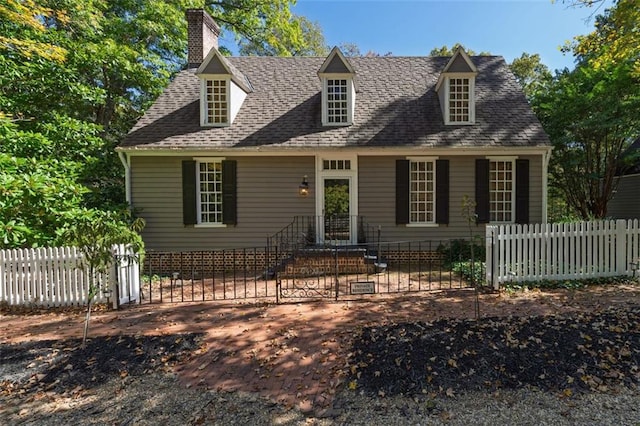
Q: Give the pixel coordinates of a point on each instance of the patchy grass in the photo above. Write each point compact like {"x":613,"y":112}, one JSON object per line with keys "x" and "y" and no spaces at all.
{"x":569,"y":284}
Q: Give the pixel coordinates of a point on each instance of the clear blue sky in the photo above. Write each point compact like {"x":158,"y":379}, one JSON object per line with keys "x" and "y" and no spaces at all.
{"x":414,"y":27}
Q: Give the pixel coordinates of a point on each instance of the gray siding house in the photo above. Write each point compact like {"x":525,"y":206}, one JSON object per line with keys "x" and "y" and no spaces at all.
{"x":236,"y":148}
{"x":625,"y":203}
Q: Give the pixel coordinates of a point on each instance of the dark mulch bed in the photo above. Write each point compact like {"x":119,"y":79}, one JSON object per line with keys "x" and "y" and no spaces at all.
{"x":584,"y":352}
{"x":63,"y":366}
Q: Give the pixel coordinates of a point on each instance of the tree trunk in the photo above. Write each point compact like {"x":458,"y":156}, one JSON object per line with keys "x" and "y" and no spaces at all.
{"x":86,"y":324}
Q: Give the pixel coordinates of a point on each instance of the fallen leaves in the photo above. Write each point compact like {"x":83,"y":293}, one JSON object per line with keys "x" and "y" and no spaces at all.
{"x":58,"y":366}
{"x":586,"y":352}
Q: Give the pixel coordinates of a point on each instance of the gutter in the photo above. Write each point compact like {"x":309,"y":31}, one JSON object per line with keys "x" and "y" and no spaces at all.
{"x":126,"y":162}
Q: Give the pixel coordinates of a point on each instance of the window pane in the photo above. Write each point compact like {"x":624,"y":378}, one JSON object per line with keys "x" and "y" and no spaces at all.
{"x":210,"y":188}
{"x":501,"y":191}
{"x":421,"y":191}
{"x":216,"y":101}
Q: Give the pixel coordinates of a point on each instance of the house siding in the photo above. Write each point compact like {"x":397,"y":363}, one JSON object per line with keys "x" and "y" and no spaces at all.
{"x":376,"y":181}
{"x":267,"y":190}
{"x":625,"y":203}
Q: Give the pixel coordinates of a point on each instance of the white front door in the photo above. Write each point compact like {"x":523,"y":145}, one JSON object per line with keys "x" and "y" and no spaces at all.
{"x":337,"y":201}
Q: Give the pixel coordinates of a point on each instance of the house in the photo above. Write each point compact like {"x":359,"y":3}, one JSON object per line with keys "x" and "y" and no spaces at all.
{"x":236,"y":148}
{"x":625,"y":203}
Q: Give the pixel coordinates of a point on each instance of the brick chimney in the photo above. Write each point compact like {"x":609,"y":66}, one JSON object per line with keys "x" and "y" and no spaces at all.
{"x":203,"y":35}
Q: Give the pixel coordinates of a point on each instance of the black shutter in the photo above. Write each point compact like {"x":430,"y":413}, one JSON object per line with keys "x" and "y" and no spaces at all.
{"x":402,"y":192}
{"x":189,"y":211}
{"x":482,"y":191}
{"x":442,"y":191}
{"x":229,"y":192}
{"x":522,"y":191}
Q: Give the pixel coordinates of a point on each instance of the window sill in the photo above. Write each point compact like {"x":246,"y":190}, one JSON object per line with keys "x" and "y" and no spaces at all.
{"x":460,"y":123}
{"x":337,"y":124}
{"x":422,"y":225}
{"x":210,"y":225}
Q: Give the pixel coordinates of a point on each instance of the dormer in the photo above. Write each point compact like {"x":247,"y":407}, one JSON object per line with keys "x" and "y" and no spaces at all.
{"x":338,"y":90}
{"x":223,"y":89}
{"x":456,"y":89}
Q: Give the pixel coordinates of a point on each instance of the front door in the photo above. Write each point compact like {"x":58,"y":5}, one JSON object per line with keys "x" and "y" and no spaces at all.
{"x":337,"y":199}
{"x":337,"y":212}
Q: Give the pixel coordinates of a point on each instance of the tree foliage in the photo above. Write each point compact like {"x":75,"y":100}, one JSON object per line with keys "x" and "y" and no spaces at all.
{"x":95,"y":233}
{"x":74,"y":77}
{"x":589,"y":116}
{"x":449,"y":51}
{"x":615,"y":39}
{"x":531,"y":73}
{"x":592,"y":113}
{"x":313,"y":44}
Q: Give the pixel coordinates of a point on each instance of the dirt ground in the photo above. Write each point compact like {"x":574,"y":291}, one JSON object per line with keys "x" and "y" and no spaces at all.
{"x":294,"y":353}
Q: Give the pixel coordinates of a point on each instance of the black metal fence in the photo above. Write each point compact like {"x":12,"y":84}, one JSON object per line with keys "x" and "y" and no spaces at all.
{"x":309,"y":272}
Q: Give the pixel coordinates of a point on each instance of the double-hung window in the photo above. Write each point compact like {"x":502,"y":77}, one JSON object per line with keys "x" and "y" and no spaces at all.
{"x":422,"y":191}
{"x":209,"y":191}
{"x":216,"y":102}
{"x":459,"y":100}
{"x":209,"y":197}
{"x":501,"y":190}
{"x":337,"y":101}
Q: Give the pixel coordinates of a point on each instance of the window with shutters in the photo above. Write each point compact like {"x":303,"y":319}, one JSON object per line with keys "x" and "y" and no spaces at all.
{"x":501,"y":190}
{"x":422,"y":193}
{"x":209,"y":192}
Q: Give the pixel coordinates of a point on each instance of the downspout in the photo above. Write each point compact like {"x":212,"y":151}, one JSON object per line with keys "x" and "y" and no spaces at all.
{"x":126,"y":162}
{"x":545,"y":185}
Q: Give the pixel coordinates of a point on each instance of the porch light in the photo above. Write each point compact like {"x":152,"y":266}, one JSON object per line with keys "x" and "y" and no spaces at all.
{"x":303,"y":188}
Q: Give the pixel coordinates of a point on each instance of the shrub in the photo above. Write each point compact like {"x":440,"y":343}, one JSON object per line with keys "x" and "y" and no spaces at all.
{"x":567,"y":284}
{"x":475,"y":275}
{"x":460,"y":251}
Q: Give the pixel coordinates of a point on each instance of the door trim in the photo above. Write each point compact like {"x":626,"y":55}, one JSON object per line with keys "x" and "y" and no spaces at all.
{"x":352,"y":175}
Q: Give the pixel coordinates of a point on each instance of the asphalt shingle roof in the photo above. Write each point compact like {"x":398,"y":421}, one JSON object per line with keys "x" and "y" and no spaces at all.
{"x":396,"y":105}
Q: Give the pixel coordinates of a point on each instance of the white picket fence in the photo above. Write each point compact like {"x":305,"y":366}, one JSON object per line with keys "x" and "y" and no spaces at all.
{"x":55,"y":276}
{"x":517,"y":253}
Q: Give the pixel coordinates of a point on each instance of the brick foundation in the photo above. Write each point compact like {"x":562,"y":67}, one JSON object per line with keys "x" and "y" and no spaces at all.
{"x":205,"y":264}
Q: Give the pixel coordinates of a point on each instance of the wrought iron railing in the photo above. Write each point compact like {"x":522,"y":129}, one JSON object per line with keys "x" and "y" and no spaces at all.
{"x":320,"y":232}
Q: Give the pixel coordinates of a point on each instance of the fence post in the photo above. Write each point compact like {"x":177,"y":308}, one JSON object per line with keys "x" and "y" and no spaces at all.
{"x":622,"y":257}
{"x":113,"y":278}
{"x":3,"y":290}
{"x":490,"y":256}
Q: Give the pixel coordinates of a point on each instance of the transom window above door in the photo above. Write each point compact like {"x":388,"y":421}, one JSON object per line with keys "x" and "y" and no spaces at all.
{"x":336,"y":164}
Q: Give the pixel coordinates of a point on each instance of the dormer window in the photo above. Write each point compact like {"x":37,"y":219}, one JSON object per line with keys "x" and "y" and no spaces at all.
{"x":223,"y":89}
{"x":460,"y":108}
{"x":456,"y":87}
{"x":338,"y":90}
{"x":337,"y":101}
{"x":216,"y":102}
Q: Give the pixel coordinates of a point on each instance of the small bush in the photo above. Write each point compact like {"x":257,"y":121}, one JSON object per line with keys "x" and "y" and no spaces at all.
{"x":460,"y":251}
{"x":475,"y":274}
{"x":568,"y":284}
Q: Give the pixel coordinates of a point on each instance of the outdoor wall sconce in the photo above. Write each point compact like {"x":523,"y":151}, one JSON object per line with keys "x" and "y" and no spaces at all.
{"x":303,"y":188}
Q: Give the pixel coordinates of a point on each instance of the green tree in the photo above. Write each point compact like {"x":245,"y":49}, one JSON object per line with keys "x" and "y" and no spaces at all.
{"x":74,"y":77}
{"x":615,"y":39}
{"x":590,"y":115}
{"x":446,"y":51}
{"x":314,"y":43}
{"x":531,"y":73}
{"x":593,"y":112}
{"x":269,"y":24}
{"x":96,"y":233}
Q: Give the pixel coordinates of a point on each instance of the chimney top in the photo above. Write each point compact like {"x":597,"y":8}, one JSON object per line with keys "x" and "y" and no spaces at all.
{"x":203,"y":35}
